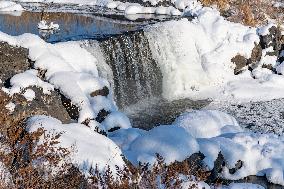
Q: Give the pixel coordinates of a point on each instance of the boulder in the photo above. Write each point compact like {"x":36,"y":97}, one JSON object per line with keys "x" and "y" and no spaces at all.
{"x":13,"y":60}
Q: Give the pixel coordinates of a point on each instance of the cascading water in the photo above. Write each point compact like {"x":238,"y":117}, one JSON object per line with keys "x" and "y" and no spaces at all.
{"x":126,"y":61}
{"x":136,"y":75}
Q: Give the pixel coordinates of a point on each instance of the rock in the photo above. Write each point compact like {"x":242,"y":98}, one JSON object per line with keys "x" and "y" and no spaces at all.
{"x":240,"y":63}
{"x":269,"y":66}
{"x":13,"y":60}
{"x":42,"y":104}
{"x":273,"y":39}
{"x":255,"y":55}
{"x":72,"y":110}
{"x":102,"y":115}
{"x":102,"y":92}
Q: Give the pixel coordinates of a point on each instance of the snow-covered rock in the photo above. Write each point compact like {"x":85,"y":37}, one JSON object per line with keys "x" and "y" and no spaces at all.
{"x":260,"y":154}
{"x":207,"y":123}
{"x":91,"y":149}
{"x":9,"y":6}
{"x":43,"y":25}
{"x":171,"y":142}
{"x":26,"y":79}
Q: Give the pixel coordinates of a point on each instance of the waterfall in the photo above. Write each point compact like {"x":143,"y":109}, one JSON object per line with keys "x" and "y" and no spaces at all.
{"x":135,"y":74}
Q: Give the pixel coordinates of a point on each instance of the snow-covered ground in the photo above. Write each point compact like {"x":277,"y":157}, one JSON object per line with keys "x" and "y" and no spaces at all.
{"x":126,"y":7}
{"x":195,"y":59}
{"x":9,"y":6}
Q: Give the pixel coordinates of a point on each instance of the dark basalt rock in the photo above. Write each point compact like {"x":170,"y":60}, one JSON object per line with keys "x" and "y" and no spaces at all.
{"x":102,"y":115}
{"x":273,"y":39}
{"x":255,"y":55}
{"x":240,"y":63}
{"x":13,"y":60}
{"x":72,"y":110}
{"x":42,"y":104}
{"x":102,"y":92}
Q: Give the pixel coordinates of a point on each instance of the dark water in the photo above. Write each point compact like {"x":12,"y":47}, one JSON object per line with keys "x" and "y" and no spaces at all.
{"x":72,"y":26}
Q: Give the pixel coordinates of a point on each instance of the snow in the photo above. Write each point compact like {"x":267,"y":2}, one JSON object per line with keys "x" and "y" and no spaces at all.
{"x":207,"y":123}
{"x":43,"y":25}
{"x":91,"y":149}
{"x":171,"y":142}
{"x":264,"y":30}
{"x":9,"y":6}
{"x":26,"y":79}
{"x":116,"y":119}
{"x":138,"y":9}
{"x":260,"y":154}
{"x":278,"y":5}
{"x":191,"y":182}
{"x":280,"y":68}
{"x":29,"y":94}
{"x":10,"y":106}
{"x":124,"y":137}
{"x":242,"y":186}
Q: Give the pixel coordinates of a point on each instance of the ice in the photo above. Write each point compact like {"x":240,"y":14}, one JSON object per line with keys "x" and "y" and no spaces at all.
{"x":201,"y":58}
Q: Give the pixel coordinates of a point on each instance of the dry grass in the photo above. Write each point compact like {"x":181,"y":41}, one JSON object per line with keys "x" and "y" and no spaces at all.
{"x":221,"y":4}
{"x":251,"y":13}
